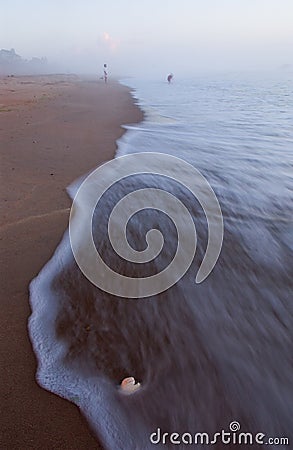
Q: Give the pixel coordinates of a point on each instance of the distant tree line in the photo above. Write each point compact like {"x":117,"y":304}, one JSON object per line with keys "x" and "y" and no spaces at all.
{"x":12,"y":63}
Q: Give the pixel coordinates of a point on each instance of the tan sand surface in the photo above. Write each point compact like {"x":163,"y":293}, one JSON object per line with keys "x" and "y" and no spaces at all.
{"x":52,"y":130}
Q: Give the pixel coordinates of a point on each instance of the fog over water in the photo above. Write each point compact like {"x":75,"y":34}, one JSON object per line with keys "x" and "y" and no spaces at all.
{"x":150,"y":38}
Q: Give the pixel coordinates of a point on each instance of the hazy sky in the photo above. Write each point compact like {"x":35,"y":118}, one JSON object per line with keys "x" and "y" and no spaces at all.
{"x":150,"y":36}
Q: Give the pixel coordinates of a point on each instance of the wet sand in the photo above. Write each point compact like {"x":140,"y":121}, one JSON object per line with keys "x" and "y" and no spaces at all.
{"x":52,"y":130}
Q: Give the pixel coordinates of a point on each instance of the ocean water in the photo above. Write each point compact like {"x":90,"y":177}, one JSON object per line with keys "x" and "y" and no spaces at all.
{"x":209,"y":354}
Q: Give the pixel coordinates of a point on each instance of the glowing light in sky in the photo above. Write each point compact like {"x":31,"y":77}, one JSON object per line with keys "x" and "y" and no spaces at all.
{"x":151,"y":36}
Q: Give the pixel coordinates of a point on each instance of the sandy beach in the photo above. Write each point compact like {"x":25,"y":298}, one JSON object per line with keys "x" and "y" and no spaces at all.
{"x":53,"y":129}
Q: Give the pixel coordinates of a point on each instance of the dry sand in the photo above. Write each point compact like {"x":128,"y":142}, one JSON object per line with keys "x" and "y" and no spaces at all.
{"x":52,"y":130}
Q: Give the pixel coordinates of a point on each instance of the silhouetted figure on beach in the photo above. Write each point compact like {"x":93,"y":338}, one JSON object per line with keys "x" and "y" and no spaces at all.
{"x":169,"y":77}
{"x":105,"y":73}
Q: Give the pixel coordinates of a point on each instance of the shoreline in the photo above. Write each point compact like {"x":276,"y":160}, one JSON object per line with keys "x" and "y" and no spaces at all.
{"x":54,"y":129}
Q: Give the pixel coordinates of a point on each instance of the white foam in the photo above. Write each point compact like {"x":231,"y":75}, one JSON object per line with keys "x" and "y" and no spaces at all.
{"x":97,"y":398}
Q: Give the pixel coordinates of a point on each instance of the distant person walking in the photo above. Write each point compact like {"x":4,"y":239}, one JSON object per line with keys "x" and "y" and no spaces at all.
{"x":169,"y":77}
{"x":105,"y":73}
